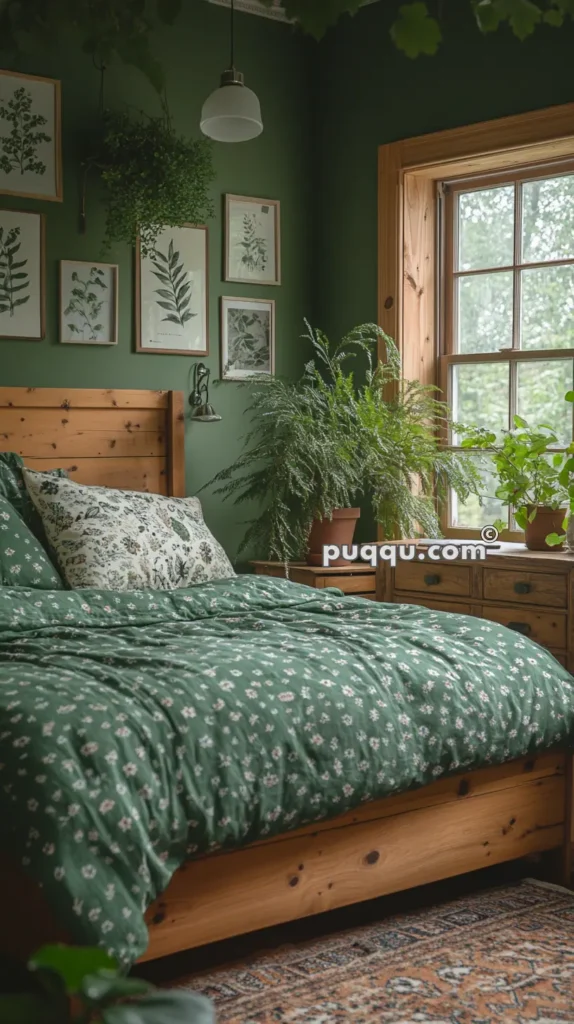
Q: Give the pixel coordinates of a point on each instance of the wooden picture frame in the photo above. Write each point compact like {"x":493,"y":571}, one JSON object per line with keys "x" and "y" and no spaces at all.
{"x":251,"y":257}
{"x":256,"y":359}
{"x":12,"y":312}
{"x":49,"y":157}
{"x":99,"y":318}
{"x":147,"y":317}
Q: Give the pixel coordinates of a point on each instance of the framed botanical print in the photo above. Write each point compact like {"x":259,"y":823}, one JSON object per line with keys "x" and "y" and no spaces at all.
{"x":30,"y":136}
{"x":22,"y":275}
{"x":88,"y":303}
{"x":252,"y":240}
{"x":172,"y":294}
{"x":247,"y":338}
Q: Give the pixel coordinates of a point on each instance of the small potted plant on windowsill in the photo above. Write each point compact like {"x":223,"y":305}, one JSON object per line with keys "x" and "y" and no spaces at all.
{"x":532,"y":479}
{"x":320,"y":443}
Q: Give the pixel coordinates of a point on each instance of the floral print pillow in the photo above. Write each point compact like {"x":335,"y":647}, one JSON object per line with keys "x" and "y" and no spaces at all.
{"x":23,"y":561}
{"x":126,"y":540}
{"x":13,"y":488}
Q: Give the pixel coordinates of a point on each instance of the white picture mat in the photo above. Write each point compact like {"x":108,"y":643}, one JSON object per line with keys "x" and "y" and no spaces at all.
{"x":156,"y":332}
{"x":267,"y":311}
{"x":24,"y":321}
{"x":262,"y":221}
{"x":44,"y":102}
{"x":107,"y":315}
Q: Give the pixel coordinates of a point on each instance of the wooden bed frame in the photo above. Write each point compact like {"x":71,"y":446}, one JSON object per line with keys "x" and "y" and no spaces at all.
{"x":135,"y":440}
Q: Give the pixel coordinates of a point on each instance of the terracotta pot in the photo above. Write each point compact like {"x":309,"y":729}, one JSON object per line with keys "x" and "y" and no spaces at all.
{"x":339,"y":530}
{"x":547,"y":520}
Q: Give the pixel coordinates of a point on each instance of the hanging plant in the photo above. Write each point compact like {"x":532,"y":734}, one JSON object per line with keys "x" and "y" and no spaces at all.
{"x":154,"y":178}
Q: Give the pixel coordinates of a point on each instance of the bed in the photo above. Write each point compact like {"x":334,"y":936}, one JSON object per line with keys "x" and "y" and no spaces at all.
{"x":468,"y":818}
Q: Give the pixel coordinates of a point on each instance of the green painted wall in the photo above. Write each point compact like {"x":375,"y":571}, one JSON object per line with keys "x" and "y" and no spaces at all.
{"x":275,"y":63}
{"x":369,"y":94}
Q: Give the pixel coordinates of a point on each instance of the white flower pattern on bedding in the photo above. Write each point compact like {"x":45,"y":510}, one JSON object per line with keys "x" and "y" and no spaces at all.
{"x":126,"y":540}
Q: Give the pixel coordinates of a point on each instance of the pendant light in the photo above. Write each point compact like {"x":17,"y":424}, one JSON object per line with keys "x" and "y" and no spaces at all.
{"x":232,"y":113}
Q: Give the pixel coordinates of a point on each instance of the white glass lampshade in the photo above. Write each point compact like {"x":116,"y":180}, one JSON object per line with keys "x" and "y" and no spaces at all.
{"x":232,"y":113}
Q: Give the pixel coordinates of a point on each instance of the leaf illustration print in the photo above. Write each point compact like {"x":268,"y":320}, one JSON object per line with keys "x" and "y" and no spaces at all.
{"x":86,"y":304}
{"x":175,"y":296}
{"x":13,"y":278}
{"x":253,"y":247}
{"x":19,"y":148}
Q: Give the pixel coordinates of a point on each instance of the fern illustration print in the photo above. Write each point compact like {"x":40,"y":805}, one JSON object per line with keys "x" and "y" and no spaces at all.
{"x":173,"y":293}
{"x":88,"y":303}
{"x":253,"y":247}
{"x":252,"y":240}
{"x":14,"y":279}
{"x":29,"y":136}
{"x":21,"y":279}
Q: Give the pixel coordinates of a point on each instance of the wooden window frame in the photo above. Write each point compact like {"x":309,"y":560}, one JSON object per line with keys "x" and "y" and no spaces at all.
{"x":409,"y":172}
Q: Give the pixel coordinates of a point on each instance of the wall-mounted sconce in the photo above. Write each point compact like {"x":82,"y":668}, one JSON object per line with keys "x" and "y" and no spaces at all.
{"x":202,"y":411}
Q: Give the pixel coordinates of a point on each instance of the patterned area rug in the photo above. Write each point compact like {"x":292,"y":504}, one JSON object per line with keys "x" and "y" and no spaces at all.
{"x":504,"y":955}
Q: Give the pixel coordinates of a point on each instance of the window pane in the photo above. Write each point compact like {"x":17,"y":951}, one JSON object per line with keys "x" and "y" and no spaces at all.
{"x":548,"y":219}
{"x":541,"y":386}
{"x":485,"y":312}
{"x":480,"y":395}
{"x":486,"y":228}
{"x":471,"y":515}
{"x":547,"y":315}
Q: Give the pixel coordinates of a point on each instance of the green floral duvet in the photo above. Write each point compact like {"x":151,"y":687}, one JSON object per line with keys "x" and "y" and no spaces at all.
{"x":138,"y":729}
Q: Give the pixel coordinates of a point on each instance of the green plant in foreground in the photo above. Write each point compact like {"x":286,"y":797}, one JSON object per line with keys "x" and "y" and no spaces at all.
{"x":106,"y":30}
{"x":321,"y":442}
{"x":83,"y":985}
{"x":124,"y":28}
{"x":154,"y":178}
{"x":530,"y":470}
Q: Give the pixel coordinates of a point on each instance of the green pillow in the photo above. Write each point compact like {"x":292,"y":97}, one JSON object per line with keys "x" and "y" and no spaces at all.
{"x":23,"y":561}
{"x":13,"y":488}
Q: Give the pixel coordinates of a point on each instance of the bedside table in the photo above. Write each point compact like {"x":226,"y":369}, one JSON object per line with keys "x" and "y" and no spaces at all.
{"x":358,"y":579}
{"x":531,"y":592}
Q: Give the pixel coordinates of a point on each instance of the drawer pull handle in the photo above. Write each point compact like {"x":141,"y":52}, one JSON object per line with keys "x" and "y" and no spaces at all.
{"x":432,"y":579}
{"x":520,"y":627}
{"x":522,"y":588}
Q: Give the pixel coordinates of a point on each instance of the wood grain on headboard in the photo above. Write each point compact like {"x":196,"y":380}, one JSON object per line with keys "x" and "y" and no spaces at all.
{"x":128,"y":439}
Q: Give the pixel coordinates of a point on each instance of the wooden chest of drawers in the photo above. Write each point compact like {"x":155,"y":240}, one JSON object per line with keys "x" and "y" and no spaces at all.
{"x":529,"y":591}
{"x":357,"y":579}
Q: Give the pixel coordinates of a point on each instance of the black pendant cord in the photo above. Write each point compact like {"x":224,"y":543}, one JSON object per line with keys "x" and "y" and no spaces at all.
{"x":232,"y":36}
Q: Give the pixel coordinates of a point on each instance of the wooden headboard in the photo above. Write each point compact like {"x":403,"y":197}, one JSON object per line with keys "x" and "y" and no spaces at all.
{"x":128,"y":439}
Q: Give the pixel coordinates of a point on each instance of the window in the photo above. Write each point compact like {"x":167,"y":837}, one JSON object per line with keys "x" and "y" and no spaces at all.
{"x":506,"y":311}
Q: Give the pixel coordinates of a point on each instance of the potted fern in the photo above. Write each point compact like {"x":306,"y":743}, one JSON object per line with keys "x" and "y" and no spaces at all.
{"x":317,"y":445}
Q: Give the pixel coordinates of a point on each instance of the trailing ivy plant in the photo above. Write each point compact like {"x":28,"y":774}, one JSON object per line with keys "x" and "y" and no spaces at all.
{"x":417,"y":25}
{"x":106,"y":28}
{"x":123,"y":28}
{"x":154,"y":178}
{"x":321,"y":442}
